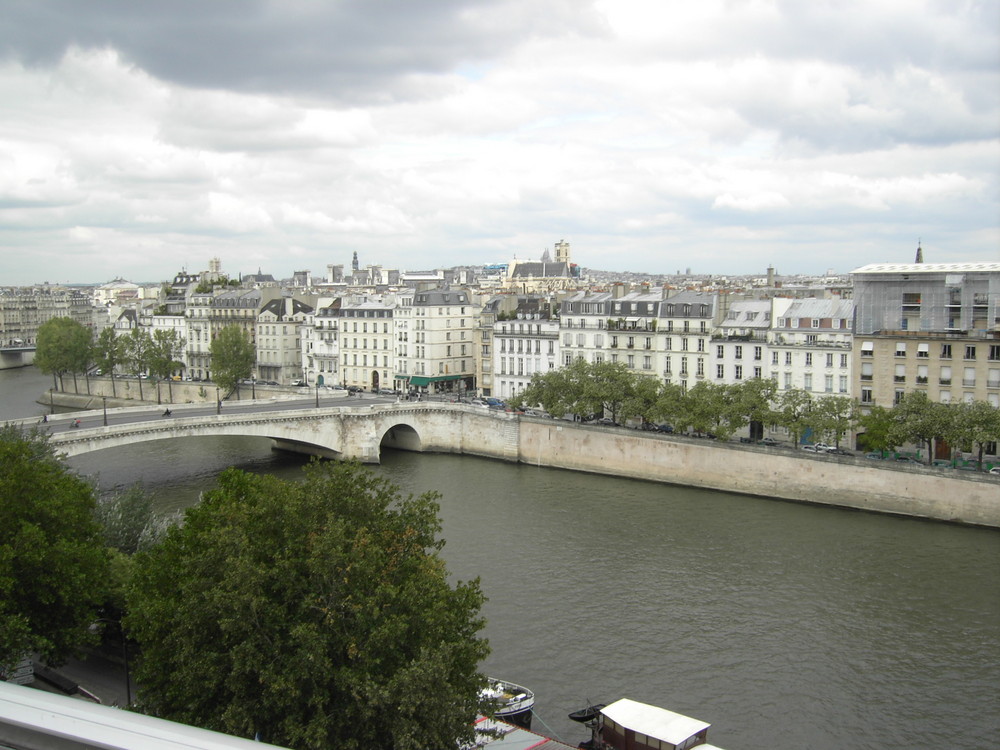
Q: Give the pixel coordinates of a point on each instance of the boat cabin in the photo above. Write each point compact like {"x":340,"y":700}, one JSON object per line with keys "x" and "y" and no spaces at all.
{"x":630,"y":725}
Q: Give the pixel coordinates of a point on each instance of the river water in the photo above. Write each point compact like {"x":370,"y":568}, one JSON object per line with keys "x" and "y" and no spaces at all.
{"x":783,"y":625}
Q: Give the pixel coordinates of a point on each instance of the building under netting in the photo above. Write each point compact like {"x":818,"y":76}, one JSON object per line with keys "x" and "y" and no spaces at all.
{"x":933,"y":327}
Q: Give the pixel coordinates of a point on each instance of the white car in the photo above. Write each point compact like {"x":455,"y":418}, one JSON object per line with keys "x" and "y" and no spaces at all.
{"x":995,"y":470}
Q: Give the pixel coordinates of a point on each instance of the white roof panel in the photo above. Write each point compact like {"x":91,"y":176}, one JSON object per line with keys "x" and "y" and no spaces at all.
{"x":653,"y":721}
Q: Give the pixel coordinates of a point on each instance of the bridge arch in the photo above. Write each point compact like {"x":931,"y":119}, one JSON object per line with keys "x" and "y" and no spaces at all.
{"x":401,"y":436}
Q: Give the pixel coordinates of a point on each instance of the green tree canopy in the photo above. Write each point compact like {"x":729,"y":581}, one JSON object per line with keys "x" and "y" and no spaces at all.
{"x":53,"y":565}
{"x":922,"y":420}
{"x":136,"y":353}
{"x":108,"y":354}
{"x":233,"y":357}
{"x":62,"y":346}
{"x":313,"y":615}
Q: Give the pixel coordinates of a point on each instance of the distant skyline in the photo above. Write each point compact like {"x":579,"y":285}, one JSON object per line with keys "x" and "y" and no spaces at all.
{"x":724,"y":136}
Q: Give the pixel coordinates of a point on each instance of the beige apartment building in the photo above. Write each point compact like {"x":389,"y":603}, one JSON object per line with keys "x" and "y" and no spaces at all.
{"x":931,"y":327}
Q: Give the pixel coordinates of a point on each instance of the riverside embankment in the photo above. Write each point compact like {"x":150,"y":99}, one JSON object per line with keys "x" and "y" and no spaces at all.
{"x":785,"y":474}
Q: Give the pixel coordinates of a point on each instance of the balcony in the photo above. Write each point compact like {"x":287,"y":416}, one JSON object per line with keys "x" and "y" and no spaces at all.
{"x":921,"y":380}
{"x":898,"y":378}
{"x":867,"y":378}
{"x":944,"y":381}
{"x":969,"y":382}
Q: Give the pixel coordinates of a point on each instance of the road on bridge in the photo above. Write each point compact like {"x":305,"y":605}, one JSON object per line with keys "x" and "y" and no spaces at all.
{"x":137,"y":414}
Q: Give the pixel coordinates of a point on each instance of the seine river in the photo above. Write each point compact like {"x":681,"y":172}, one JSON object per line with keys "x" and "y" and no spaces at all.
{"x":785,"y":626}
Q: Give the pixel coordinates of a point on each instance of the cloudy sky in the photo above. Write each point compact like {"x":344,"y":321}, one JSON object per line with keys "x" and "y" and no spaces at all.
{"x":140,"y":138}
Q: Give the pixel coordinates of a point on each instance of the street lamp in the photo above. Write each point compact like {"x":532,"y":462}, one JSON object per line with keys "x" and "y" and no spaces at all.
{"x":253,"y":388}
{"x":317,"y":393}
{"x":105,"y":400}
{"x":218,"y":402}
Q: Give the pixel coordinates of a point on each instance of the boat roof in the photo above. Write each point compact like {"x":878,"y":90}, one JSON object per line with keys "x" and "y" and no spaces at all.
{"x":653,"y":721}
{"x":515,"y":737}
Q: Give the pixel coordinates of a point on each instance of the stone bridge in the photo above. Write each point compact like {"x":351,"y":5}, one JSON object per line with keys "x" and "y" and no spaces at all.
{"x":350,"y":432}
{"x":361,"y":431}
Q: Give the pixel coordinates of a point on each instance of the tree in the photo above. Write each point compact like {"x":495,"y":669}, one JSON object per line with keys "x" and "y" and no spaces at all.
{"x":108,"y":354}
{"x":62,"y":346}
{"x":53,"y":566}
{"x":136,"y":349}
{"x":975,"y":423}
{"x":755,"y":398}
{"x":921,"y":420}
{"x":835,"y":416}
{"x":164,"y":352}
{"x":127,"y":521}
{"x":313,"y":615}
{"x":882,"y":431}
{"x":795,"y":412}
{"x":233,"y":357}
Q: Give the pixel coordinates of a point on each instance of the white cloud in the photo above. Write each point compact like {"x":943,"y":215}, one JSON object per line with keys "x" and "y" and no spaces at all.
{"x":731,"y":135}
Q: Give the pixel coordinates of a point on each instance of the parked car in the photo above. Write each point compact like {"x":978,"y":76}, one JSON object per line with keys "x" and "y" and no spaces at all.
{"x":387,"y":392}
{"x":354,"y":389}
{"x":770,"y":442}
{"x":873,"y":456}
{"x":668,"y":428}
{"x":606,"y":422}
{"x":995,"y":471}
{"x":840,"y":452}
{"x":907,"y":460}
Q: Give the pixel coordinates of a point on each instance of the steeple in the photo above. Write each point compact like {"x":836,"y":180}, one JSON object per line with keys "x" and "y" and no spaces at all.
{"x":920,"y":253}
{"x":354,"y":263}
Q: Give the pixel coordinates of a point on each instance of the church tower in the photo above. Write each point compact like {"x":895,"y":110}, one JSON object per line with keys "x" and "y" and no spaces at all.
{"x":562,"y":252}
{"x":354,"y":263}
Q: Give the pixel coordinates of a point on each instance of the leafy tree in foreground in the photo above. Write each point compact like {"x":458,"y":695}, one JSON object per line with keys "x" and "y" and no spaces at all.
{"x":313,"y":615}
{"x":53,"y":565}
{"x":233,"y":357}
{"x":63,"y":346}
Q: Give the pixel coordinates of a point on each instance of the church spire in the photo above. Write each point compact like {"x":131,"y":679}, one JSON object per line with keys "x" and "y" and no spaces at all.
{"x":920,"y":253}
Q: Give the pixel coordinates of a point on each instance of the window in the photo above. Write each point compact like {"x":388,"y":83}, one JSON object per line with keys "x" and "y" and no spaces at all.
{"x":720,"y":371}
{"x":843,"y":360}
{"x":720,"y":352}
{"x":829,"y":360}
{"x":944,"y":377}
{"x":739,"y":372}
{"x":994,"y":355}
{"x":970,"y":351}
{"x":700,"y":367}
{"x":807,"y":381}
{"x":866,"y":395}
{"x":921,"y":374}
{"x":969,"y":377}
{"x":945,"y":351}
{"x":897,"y":397}
{"x":900,"y":350}
{"x":828,"y":384}
{"x":647,"y":362}
{"x":923,"y":350}
{"x":809,"y":359}
{"x":774,"y":358}
{"x":758,"y":353}
{"x":757,"y":372}
{"x":701,"y":345}
{"x":867,"y":348}
{"x":843,"y":384}
{"x":815,"y":322}
{"x":867,"y":372}
{"x":788,"y":380}
{"x":739,"y":352}
{"x":900,"y":374}
{"x":788,"y":359}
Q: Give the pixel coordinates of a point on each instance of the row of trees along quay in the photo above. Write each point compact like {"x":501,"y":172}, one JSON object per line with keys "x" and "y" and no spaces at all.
{"x":312,"y":614}
{"x":65,"y":347}
{"x":611,"y":389}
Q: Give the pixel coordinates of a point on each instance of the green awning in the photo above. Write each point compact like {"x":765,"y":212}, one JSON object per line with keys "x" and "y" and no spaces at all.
{"x":427,"y":380}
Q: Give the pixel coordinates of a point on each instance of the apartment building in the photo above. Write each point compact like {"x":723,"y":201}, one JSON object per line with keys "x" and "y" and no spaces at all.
{"x":932,"y":327}
{"x":24,"y":309}
{"x":740,"y":341}
{"x":367,"y":341}
{"x":279,"y":339}
{"x":811,"y":346}
{"x":523,"y":345}
{"x":321,"y":345}
{"x":685,"y":327}
{"x":437,"y":355}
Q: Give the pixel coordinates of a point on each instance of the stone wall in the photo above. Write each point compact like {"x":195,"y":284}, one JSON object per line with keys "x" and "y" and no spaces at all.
{"x":769,"y":472}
